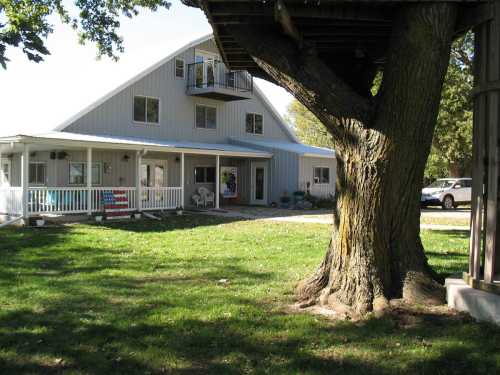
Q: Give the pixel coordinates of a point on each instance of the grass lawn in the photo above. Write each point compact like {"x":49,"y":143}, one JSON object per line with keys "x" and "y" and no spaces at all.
{"x":146,"y":298}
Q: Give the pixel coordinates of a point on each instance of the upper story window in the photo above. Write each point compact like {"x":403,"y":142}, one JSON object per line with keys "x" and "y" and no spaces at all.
{"x":146,"y":109}
{"x":254,"y":123}
{"x":37,"y":173}
{"x":321,"y":175}
{"x":78,"y":173}
{"x":179,"y":68}
{"x":206,"y":117}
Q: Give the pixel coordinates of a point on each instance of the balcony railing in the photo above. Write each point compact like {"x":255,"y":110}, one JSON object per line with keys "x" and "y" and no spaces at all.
{"x":212,"y":75}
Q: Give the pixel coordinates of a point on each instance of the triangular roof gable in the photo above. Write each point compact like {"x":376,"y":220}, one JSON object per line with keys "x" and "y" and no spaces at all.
{"x":257,"y":91}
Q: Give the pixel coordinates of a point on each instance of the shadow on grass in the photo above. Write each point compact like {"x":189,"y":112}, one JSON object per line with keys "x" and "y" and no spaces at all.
{"x":184,"y":222}
{"x":90,"y":306}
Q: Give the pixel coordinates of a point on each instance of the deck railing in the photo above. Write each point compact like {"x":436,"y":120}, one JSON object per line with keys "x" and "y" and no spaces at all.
{"x":11,"y":200}
{"x":74,"y":200}
{"x":209,"y":74}
{"x":154,"y":198}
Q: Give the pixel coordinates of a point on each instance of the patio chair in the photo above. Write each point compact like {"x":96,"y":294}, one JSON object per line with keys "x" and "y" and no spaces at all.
{"x":207,"y":196}
{"x":197,"y":200}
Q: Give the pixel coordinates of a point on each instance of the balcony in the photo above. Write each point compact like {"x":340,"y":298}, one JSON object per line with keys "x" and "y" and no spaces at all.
{"x":211,"y":79}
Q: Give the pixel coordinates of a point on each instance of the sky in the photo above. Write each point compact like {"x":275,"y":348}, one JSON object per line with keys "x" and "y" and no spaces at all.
{"x":35,"y":98}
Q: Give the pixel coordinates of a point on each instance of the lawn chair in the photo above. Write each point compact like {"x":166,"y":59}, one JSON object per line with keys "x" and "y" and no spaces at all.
{"x":197,"y":200}
{"x":207,"y":196}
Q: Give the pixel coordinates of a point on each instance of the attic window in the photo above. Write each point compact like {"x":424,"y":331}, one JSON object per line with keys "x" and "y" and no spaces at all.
{"x":146,"y":109}
{"x":179,"y":68}
{"x":254,"y":123}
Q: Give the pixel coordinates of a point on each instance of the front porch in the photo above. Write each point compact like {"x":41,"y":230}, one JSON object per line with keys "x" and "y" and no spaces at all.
{"x":43,"y":177}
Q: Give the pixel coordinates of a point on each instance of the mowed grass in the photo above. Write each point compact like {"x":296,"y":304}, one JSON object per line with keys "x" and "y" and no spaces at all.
{"x":149,"y":298}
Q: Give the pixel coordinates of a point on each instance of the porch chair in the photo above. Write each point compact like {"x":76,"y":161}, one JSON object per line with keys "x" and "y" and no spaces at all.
{"x":197,"y":200}
{"x":207,"y":196}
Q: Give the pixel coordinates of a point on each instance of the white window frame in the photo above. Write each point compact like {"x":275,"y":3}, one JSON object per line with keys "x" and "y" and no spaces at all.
{"x":329,"y":175}
{"x":37,"y":183}
{"x":183,"y":68}
{"x":146,"y":109}
{"x":254,"y":113}
{"x":203,"y":166}
{"x":3,"y":179}
{"x":207,"y":106}
{"x":85,"y":173}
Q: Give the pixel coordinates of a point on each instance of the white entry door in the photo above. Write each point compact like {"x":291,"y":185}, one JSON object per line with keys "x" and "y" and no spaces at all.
{"x":153,"y":175}
{"x":258,"y":189}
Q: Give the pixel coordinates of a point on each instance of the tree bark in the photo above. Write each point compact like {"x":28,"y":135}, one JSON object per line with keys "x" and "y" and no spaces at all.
{"x":375,"y":253}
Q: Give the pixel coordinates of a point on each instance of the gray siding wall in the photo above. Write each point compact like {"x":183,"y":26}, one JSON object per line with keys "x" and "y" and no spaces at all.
{"x":306,"y":174}
{"x":177,"y":110}
{"x":115,"y":170}
{"x":283,"y":171}
{"x":192,"y":161}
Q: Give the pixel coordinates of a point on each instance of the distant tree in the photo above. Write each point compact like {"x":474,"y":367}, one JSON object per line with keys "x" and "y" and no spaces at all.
{"x":451,"y":152}
{"x":25,"y":24}
{"x":307,"y":126}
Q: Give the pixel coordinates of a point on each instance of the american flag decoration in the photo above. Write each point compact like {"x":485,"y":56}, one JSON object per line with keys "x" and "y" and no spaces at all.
{"x":115,"y":204}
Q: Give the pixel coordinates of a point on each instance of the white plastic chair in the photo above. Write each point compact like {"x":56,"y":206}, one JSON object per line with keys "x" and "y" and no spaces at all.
{"x":207,"y":196}
{"x":197,"y":200}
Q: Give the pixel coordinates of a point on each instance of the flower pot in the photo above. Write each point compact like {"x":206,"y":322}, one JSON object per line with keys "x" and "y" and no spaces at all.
{"x":40,"y":222}
{"x":179,"y":212}
{"x":98,"y":219}
{"x":137,"y":216}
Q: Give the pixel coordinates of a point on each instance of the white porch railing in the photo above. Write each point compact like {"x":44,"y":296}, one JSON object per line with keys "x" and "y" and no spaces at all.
{"x":161,"y":198}
{"x":73,"y":200}
{"x":11,"y":200}
{"x":67,"y":200}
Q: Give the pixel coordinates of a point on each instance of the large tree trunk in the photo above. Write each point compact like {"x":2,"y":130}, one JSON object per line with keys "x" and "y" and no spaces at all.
{"x":375,"y":252}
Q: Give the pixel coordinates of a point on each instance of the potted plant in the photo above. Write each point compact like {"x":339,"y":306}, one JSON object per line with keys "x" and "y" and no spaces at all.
{"x":98,"y":217}
{"x":285,"y":200}
{"x":40,"y":222}
{"x":137,"y":215}
{"x":178,"y":210}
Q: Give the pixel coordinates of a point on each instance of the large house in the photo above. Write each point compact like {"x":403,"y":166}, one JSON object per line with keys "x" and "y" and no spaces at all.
{"x":187,"y":122}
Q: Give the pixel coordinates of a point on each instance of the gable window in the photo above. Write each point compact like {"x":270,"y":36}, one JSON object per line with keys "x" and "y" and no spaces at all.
{"x":254,"y":123}
{"x":321,"y":175}
{"x":206,"y":117}
{"x":78,"y":173}
{"x":179,"y":68}
{"x":146,"y":109}
{"x":204,"y":175}
{"x":37,"y":173}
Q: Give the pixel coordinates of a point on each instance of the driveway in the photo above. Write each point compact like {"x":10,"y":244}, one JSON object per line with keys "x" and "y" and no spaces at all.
{"x":433,"y":219}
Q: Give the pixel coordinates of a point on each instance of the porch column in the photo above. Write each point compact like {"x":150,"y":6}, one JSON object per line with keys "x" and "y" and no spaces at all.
{"x":217,"y":180}
{"x":182,"y":179}
{"x":138,"y":186}
{"x":89,"y":181}
{"x":25,"y":163}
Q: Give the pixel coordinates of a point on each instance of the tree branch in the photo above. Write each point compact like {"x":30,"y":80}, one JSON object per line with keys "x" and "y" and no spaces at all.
{"x":303,"y":74}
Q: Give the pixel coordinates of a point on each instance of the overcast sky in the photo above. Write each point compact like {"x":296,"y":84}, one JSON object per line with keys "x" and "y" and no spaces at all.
{"x":35,"y":98}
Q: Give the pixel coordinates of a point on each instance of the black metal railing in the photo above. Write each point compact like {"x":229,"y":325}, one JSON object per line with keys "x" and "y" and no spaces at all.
{"x":211,"y":73}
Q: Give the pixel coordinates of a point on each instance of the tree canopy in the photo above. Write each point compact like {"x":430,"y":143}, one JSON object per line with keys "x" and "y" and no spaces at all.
{"x":25,"y":24}
{"x":451,"y":151}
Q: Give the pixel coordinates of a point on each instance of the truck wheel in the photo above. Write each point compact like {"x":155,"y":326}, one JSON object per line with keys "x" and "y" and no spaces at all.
{"x":448,"y":202}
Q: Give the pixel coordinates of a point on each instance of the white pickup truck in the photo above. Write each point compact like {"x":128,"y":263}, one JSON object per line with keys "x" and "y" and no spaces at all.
{"x":447,"y":193}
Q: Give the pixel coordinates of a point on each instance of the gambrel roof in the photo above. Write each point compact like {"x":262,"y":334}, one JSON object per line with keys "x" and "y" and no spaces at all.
{"x":258,"y":92}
